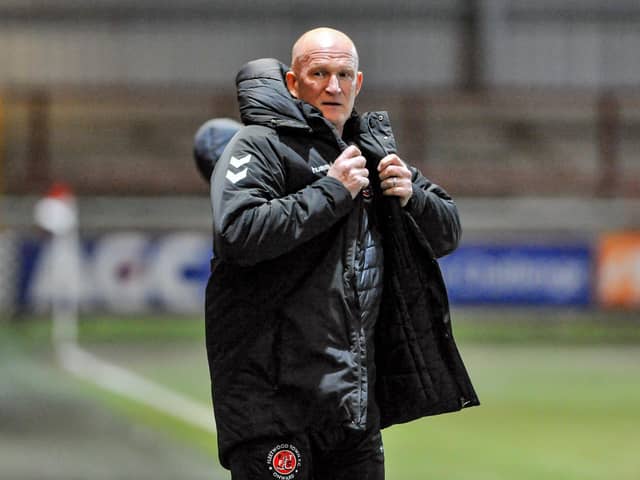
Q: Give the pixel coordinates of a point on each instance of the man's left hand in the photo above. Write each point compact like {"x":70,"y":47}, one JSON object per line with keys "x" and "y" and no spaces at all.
{"x":395,"y":178}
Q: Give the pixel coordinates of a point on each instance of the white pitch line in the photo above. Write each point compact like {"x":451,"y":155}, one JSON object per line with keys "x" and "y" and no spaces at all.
{"x":58,"y":214}
{"x":126,"y":383}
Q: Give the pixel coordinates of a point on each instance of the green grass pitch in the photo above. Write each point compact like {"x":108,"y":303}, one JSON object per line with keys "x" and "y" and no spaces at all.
{"x":560,"y":398}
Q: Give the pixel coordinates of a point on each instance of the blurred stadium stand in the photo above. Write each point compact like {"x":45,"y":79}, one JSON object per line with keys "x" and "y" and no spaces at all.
{"x":117,"y":141}
{"x":493,"y":97}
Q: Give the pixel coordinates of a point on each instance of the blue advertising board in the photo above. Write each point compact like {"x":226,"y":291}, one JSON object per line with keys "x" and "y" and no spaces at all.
{"x":137,"y":272}
{"x":128,"y":272}
{"x":519,"y":275}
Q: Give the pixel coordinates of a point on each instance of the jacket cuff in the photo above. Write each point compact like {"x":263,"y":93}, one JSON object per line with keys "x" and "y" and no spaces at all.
{"x":414,"y":206}
{"x":340,"y":194}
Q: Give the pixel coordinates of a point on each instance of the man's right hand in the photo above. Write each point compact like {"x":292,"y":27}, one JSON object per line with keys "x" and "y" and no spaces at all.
{"x":350,"y":168}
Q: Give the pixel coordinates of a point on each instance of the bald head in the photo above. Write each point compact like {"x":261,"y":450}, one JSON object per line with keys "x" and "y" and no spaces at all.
{"x":324,"y":73}
{"x":322,"y":39}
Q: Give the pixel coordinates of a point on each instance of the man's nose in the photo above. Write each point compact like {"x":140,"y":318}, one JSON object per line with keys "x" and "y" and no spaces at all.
{"x":333,"y":86}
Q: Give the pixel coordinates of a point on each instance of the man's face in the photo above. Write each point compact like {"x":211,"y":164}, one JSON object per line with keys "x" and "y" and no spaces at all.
{"x":328,"y":79}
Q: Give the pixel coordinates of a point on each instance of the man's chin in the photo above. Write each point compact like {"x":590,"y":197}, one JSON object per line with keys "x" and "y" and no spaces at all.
{"x":333,"y":118}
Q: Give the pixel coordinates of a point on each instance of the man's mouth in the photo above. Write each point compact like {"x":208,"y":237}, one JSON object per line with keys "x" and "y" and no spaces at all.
{"x":332,"y":104}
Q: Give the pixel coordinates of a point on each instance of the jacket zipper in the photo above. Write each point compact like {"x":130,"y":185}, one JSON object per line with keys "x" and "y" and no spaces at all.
{"x":361,"y":348}
{"x":357,"y":327}
{"x":351,"y":275}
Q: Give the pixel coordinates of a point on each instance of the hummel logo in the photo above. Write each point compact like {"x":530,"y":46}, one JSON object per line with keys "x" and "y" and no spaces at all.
{"x":235,"y":177}
{"x":322,"y":168}
{"x":238,"y":162}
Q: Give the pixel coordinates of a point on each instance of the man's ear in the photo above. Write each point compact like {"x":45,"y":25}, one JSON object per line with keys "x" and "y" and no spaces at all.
{"x":292,"y":83}
{"x":358,"y":82}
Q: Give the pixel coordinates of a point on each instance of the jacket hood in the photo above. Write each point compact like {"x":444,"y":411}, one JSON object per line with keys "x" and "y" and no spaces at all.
{"x":263,"y":96}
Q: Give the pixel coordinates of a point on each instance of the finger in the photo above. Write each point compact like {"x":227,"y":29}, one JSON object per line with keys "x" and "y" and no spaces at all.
{"x":395,"y":171}
{"x":352,"y":163}
{"x":389,"y":183}
{"x":350,"y":152}
{"x":359,"y":161}
{"x":394,"y":183}
{"x":398,"y":191}
{"x":391,"y":159}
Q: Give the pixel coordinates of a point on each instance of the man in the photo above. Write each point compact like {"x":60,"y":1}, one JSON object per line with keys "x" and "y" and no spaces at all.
{"x":326,"y":314}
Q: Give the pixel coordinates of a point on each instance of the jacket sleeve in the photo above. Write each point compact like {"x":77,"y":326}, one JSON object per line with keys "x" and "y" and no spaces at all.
{"x":435,"y":213}
{"x":255,"y":218}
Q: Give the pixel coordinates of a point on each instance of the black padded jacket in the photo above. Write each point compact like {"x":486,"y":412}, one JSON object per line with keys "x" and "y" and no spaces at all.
{"x":286,"y":348}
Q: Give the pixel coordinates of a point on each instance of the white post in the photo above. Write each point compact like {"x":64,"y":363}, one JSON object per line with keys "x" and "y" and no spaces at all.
{"x":57,"y":213}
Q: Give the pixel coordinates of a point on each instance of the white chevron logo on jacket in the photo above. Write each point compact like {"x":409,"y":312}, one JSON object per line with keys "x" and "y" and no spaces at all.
{"x":235,"y":176}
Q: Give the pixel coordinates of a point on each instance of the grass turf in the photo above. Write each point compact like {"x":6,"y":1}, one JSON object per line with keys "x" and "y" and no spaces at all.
{"x":560,"y":393}
{"x":553,"y":412}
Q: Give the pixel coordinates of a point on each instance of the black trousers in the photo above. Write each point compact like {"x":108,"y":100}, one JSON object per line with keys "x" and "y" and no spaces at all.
{"x":340,"y":454}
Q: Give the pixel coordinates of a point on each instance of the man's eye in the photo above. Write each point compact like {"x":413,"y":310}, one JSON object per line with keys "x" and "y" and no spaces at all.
{"x":319,"y":74}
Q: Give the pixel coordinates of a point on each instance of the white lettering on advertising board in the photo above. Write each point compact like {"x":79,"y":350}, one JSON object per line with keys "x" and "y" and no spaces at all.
{"x":131,"y":272}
